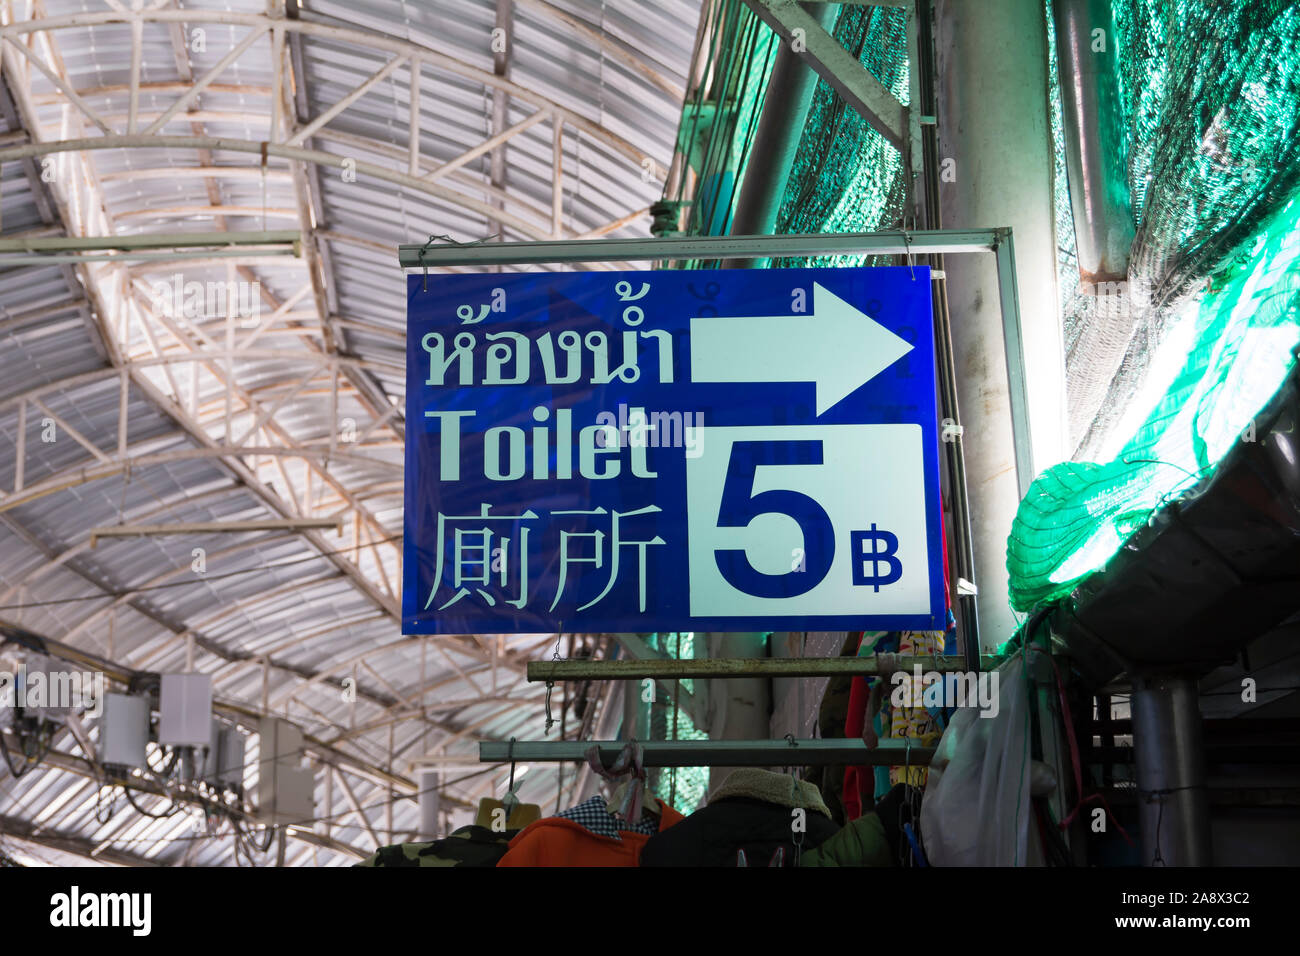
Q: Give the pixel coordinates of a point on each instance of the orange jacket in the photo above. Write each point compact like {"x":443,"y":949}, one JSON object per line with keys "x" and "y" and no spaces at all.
{"x":557,"y":841}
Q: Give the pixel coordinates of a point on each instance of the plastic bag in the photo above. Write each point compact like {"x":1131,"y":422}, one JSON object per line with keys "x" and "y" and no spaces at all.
{"x":977,"y":810}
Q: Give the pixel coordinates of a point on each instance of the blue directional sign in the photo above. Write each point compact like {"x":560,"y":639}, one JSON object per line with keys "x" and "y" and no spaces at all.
{"x":713,"y":450}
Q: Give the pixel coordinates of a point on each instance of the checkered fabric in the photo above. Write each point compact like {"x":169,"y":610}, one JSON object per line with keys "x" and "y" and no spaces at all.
{"x":595,"y":816}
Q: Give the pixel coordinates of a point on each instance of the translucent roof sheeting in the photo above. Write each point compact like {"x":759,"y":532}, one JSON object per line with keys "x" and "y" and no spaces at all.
{"x":253,"y":384}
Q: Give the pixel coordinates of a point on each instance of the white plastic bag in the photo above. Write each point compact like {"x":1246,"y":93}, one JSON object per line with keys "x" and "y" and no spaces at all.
{"x":977,"y":810}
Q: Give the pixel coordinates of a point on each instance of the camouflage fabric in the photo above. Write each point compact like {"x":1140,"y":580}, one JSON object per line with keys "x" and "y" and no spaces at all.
{"x":468,"y":846}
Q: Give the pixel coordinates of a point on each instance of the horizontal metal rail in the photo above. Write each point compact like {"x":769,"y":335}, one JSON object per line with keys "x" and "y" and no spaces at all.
{"x":155,"y":240}
{"x":215,"y":527}
{"x":718,"y":668}
{"x":716,"y":753}
{"x":894,"y":243}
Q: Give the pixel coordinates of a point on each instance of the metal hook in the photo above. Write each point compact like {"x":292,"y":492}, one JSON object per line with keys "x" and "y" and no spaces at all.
{"x":907,"y":244}
{"x":550,"y":721}
{"x":511,"y":799}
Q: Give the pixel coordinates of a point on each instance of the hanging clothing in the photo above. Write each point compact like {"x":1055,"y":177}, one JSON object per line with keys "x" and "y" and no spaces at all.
{"x":594,"y":814}
{"x":831,"y":716}
{"x":861,"y":782}
{"x":467,"y":846}
{"x":883,"y":837}
{"x":913,"y":719}
{"x":749,"y":821}
{"x":588,"y":835}
{"x":861,"y":843}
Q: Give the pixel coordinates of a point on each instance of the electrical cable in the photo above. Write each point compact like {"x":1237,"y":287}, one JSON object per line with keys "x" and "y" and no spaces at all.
{"x":148,"y":813}
{"x":31,"y":760}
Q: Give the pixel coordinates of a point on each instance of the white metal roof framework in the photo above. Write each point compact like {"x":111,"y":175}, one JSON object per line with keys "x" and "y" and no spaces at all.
{"x":356,"y":126}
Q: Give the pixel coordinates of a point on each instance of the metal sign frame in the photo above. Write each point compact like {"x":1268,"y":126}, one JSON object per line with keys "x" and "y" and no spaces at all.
{"x":817,"y":752}
{"x":433,"y":255}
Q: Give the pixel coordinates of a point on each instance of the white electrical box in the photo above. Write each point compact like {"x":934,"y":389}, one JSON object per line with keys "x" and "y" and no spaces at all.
{"x":286,"y":790}
{"x":185,"y":710}
{"x":124,"y":730}
{"x":207,"y":767}
{"x":294,"y":798}
{"x":230,"y":757}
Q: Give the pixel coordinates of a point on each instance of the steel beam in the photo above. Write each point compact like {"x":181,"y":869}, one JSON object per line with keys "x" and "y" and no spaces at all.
{"x":152,"y":240}
{"x":786,"y":102}
{"x":716,"y":753}
{"x":837,"y":66}
{"x":898,"y":243}
{"x":1169,"y":753}
{"x":723,"y":668}
{"x":215,"y":527}
{"x":328,"y":32}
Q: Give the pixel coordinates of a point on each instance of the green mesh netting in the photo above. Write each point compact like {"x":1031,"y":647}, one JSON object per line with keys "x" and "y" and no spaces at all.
{"x":1237,"y":340}
{"x":846,"y":177}
{"x":1212,"y":94}
{"x":681,"y":787}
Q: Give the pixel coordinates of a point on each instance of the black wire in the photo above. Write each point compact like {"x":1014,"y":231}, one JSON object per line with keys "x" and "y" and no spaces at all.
{"x":143,"y":812}
{"x":43,"y":734}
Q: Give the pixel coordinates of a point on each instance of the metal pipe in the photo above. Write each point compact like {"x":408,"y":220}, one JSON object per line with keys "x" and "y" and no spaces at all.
{"x":786,"y":103}
{"x":1169,"y":754}
{"x":768,"y":667}
{"x":719,"y":753}
{"x":214,"y":527}
{"x":997,"y":166}
{"x":893,"y":242}
{"x":741,"y":708}
{"x":151,"y":240}
{"x":429,"y":798}
{"x":1093,"y":121}
{"x":930,"y":212}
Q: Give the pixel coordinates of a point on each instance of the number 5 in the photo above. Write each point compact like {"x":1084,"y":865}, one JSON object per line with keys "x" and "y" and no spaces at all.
{"x":740,"y":506}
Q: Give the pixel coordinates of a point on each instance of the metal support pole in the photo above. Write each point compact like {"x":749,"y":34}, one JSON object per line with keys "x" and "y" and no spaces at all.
{"x":719,"y":753}
{"x":785,"y":111}
{"x":995,"y":164}
{"x":636,"y":713}
{"x":885,"y":243}
{"x":430,"y":802}
{"x":1173,"y":804}
{"x":1088,"y":65}
{"x":666,"y":669}
{"x":739,"y":710}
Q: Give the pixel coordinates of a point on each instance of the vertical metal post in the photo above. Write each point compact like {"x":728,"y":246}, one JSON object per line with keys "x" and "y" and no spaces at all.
{"x":1014,"y":350}
{"x":996,"y":165}
{"x":636,"y":714}
{"x":923,"y":140}
{"x":1173,"y":805}
{"x":741,"y":707}
{"x":430,"y":802}
{"x":1088,"y":66}
{"x":771,"y":157}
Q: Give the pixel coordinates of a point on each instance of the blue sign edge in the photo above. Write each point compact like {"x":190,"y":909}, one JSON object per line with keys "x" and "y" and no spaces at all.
{"x":935,"y":621}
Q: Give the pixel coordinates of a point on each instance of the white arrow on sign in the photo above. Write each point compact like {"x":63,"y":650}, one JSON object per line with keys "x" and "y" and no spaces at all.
{"x":838,"y":347}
